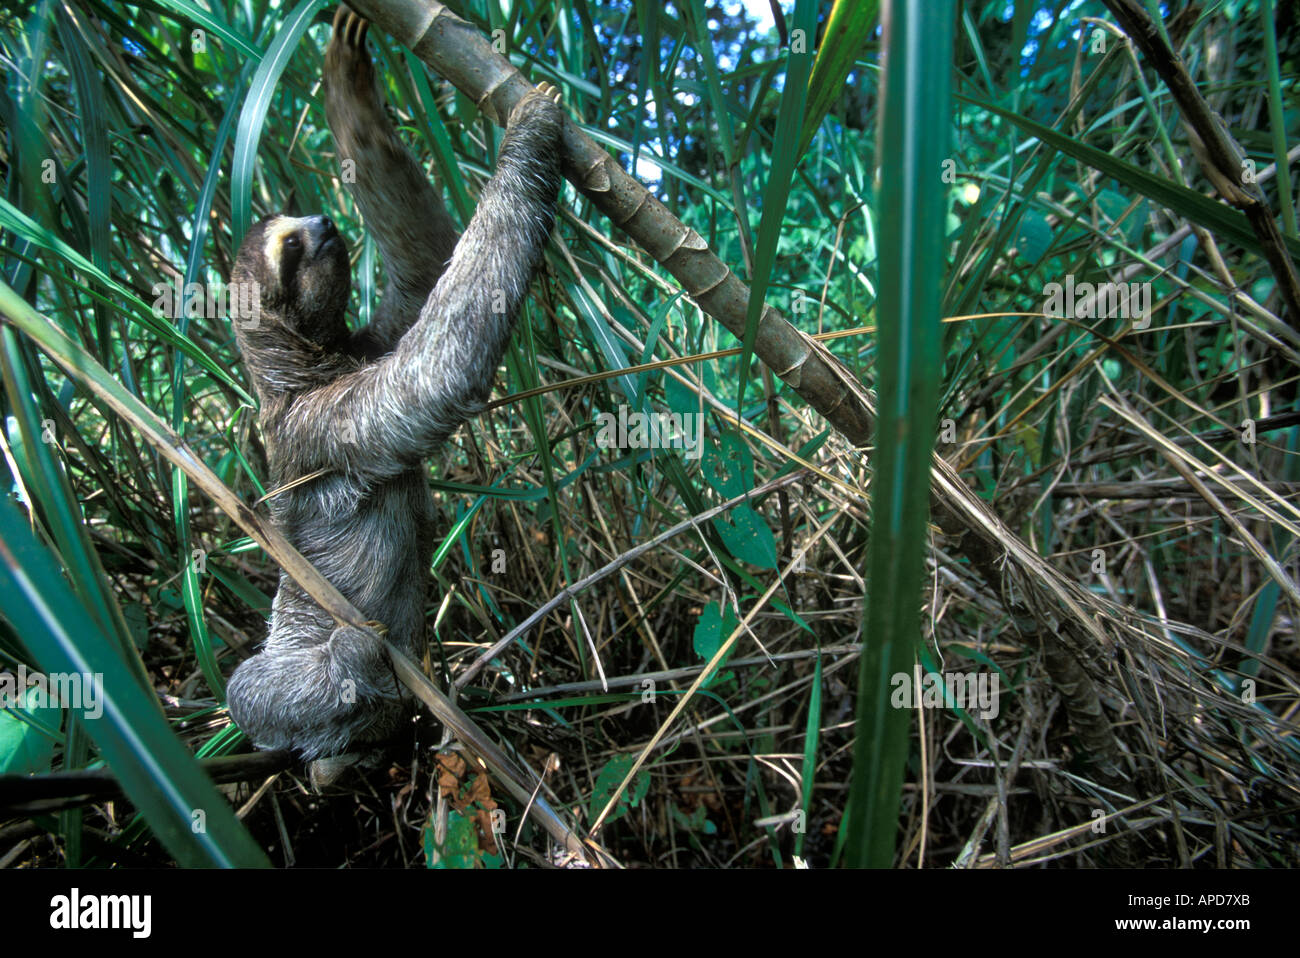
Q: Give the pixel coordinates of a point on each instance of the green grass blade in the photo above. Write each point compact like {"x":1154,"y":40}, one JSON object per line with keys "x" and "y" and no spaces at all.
{"x":776,"y":193}
{"x":47,"y":483}
{"x":811,"y":735}
{"x":1202,"y":210}
{"x":1276,"y":115}
{"x":253,"y":117}
{"x":156,"y":771}
{"x":848,"y":28}
{"x":914,"y":143}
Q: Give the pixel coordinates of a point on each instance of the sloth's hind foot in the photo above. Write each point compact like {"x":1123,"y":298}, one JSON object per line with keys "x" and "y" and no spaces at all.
{"x":318,"y":699}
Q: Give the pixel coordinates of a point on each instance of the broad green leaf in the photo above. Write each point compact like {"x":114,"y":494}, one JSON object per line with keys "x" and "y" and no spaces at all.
{"x":27,"y":741}
{"x":747,"y":536}
{"x":609,"y":778}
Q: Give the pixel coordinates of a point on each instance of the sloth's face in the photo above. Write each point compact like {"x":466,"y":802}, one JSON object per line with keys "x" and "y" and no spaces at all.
{"x":304,"y":275}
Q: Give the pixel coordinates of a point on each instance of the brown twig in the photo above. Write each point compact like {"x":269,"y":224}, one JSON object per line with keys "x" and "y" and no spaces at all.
{"x":1220,"y":155}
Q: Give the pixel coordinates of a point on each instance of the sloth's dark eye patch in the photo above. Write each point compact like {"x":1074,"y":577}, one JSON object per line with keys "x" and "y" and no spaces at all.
{"x":290,"y":255}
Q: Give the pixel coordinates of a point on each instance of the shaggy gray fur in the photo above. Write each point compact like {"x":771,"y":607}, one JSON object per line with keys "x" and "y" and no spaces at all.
{"x":370,"y":406}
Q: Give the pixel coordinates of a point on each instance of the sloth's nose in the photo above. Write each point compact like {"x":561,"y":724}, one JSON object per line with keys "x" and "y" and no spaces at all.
{"x":327,"y":228}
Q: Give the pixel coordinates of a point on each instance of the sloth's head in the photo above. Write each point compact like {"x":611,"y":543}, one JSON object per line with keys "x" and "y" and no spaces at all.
{"x":300,"y":266}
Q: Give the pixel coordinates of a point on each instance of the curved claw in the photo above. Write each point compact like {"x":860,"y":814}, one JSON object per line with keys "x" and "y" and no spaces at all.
{"x":549,"y":90}
{"x":350,"y":27}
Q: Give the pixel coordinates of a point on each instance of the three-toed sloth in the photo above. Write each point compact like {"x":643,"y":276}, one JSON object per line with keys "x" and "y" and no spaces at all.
{"x":368,"y":406}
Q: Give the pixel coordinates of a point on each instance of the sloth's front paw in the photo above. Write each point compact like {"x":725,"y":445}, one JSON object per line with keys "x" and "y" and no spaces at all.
{"x":538,"y":105}
{"x":349,"y":72}
{"x":346,"y":56}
